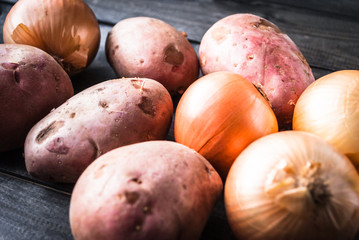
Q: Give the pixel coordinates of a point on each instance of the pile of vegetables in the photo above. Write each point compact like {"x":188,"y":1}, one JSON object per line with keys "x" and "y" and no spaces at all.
{"x":256,"y":128}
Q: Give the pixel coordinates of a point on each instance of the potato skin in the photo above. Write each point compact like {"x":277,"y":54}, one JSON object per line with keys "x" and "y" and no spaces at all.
{"x":98,"y":119}
{"x":152,"y":190}
{"x":257,"y":49}
{"x":31,"y":84}
{"x":149,"y":47}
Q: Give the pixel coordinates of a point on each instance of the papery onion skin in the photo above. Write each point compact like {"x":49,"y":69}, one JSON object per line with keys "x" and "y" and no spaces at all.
{"x":329,"y":108}
{"x":292,"y":185}
{"x":66,"y":29}
{"x":219,"y":115}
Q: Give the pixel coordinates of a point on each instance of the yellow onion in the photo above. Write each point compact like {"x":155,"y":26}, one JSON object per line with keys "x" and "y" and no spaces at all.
{"x":66,"y":29}
{"x":292,"y":185}
{"x":219,"y":115}
{"x":329,"y":108}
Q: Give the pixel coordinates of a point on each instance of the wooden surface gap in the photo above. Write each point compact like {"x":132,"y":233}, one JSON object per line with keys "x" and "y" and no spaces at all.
{"x":32,"y":181}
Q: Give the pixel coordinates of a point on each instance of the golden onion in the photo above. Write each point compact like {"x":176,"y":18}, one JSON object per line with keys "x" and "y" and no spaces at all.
{"x":66,"y":29}
{"x":292,"y":185}
{"x":329,"y":108}
{"x":219,"y":115}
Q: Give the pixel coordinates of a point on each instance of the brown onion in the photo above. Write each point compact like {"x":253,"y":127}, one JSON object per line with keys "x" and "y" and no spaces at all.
{"x":66,"y":29}
{"x":219,"y":115}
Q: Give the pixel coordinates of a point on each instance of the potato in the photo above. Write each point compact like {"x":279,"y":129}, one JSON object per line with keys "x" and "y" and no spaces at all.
{"x":259,"y":51}
{"x":98,"y":119}
{"x":151,"y":190}
{"x":148,"y":47}
{"x":31,"y":84}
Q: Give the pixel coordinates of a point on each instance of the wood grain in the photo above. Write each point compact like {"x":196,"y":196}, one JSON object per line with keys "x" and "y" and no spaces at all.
{"x":28,"y":211}
{"x":328,"y":39}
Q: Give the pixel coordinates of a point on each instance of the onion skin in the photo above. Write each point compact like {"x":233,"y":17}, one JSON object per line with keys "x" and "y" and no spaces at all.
{"x":219,"y":115}
{"x":292,"y":185}
{"x":66,"y":29}
{"x":329,"y":108}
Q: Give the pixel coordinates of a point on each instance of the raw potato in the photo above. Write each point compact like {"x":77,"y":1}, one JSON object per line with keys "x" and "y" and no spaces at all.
{"x":31,"y":84}
{"x":103,"y":117}
{"x":148,"y":47}
{"x":152,"y":190}
{"x":259,"y":51}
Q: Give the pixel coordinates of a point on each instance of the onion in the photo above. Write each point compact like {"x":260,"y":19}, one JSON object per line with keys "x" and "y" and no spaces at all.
{"x":66,"y":29}
{"x":219,"y":115}
{"x":292,"y":185}
{"x":329,"y":108}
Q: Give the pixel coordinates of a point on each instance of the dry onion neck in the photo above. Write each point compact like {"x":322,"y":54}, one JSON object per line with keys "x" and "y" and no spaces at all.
{"x":316,"y":184}
{"x":67,"y":66}
{"x":299,"y":193}
{"x":25,"y":35}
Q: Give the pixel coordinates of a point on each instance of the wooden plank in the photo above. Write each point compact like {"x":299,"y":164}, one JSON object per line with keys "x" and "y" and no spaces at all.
{"x":348,"y":8}
{"x":4,"y":9}
{"x":13,"y":165}
{"x":323,"y":61}
{"x":28,"y":211}
{"x":327,"y":42}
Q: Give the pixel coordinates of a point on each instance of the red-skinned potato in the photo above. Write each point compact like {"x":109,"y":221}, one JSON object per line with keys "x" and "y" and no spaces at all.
{"x":98,"y":119}
{"x":151,"y":48}
{"x":31,"y":84}
{"x":259,"y":51}
{"x":151,"y":190}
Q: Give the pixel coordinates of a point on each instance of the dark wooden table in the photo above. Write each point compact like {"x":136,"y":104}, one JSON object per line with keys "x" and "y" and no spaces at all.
{"x":326,"y":31}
